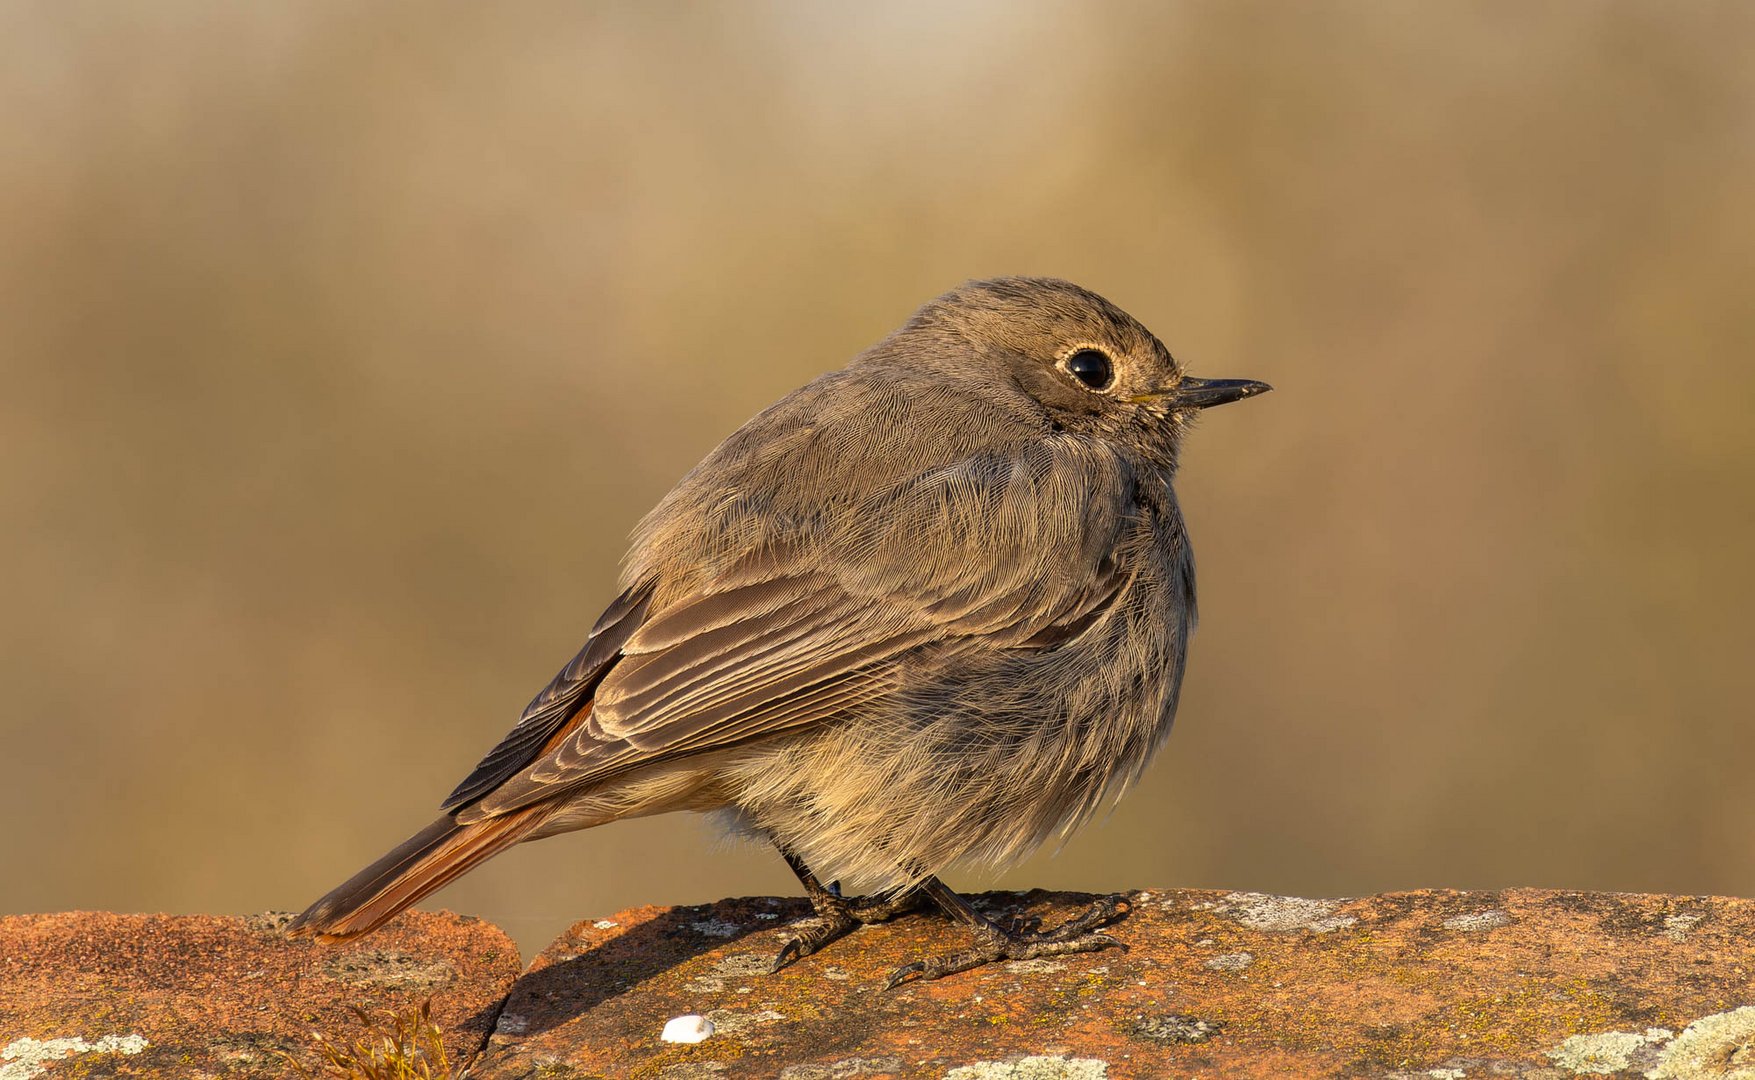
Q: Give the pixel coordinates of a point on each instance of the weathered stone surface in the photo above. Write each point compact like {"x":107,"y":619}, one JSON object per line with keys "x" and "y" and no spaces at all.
{"x":95,"y":994}
{"x":1442,"y":985}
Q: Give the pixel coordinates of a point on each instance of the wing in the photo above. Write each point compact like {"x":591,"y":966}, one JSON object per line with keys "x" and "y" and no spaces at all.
{"x":995,"y":551}
{"x":559,"y":701}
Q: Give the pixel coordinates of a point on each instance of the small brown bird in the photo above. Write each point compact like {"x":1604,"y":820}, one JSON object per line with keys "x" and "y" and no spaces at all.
{"x":931,"y":608}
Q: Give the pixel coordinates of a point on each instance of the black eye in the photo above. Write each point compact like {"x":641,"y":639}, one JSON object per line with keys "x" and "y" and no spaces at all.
{"x":1091,"y":368}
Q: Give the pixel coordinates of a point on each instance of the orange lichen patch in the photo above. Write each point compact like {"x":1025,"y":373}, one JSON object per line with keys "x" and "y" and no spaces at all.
{"x":221,"y":995}
{"x":1213,"y":984}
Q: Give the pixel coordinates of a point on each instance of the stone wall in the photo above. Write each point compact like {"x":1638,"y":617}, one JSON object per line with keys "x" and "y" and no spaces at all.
{"x":1446,"y":985}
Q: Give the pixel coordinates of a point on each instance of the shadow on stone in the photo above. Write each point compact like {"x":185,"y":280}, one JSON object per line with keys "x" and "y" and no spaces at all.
{"x":563,"y":984}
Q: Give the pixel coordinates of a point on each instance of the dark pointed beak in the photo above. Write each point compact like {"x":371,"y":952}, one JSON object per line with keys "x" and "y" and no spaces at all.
{"x":1192,"y":393}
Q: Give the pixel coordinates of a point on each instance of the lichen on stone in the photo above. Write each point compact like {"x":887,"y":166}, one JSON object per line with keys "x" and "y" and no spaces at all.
{"x":1173,"y":1028}
{"x":736,"y":1023}
{"x":269,"y":922}
{"x":1720,"y":1046}
{"x":1605,"y":1052}
{"x":390,"y":969}
{"x":1236,"y":961}
{"x":845,"y":1069}
{"x":1033,"y":1068}
{"x":743,"y":964}
{"x":27,"y":1058}
{"x":716,"y":928}
{"x":1260,"y":911}
{"x":1476,"y":921}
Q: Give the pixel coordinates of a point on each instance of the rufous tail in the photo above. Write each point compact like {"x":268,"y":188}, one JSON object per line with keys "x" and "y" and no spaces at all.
{"x":422,"y":864}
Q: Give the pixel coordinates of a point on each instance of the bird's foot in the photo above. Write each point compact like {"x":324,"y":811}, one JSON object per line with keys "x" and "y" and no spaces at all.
{"x":838,"y":916}
{"x":1077,"y":935}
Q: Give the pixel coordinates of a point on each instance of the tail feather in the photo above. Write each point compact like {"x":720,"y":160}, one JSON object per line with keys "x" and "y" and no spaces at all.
{"x":419,"y":866}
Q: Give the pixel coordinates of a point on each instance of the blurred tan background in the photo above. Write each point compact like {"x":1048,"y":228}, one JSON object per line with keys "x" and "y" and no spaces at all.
{"x":344,"y":344}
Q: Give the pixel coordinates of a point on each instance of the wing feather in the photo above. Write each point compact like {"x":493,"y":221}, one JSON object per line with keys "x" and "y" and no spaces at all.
{"x":559,"y":701}
{"x":1021,"y":560}
{"x":715,"y":664}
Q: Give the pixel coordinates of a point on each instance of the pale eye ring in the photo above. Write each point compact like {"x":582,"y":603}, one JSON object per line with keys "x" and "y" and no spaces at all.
{"x":1092,"y":368}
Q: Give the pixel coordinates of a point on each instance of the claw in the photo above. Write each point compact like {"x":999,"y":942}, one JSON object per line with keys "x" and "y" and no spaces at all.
{"x":836,"y":918}
{"x":833,"y":925}
{"x":1106,"y":910}
{"x":789,"y":952}
{"x":903,"y":973}
{"x":1021,"y":938}
{"x":993,"y":943}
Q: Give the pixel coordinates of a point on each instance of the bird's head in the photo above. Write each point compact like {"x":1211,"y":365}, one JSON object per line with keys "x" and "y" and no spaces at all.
{"x":1090,"y":366}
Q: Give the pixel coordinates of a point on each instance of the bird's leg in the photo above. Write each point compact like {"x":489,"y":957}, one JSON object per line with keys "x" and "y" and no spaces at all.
{"x":837,"y":915}
{"x":993,"y":942}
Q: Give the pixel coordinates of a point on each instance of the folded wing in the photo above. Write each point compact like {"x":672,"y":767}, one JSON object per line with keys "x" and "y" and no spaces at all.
{"x":814,"y":623}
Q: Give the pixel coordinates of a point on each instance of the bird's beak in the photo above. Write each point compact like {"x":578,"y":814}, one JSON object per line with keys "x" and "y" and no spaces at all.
{"x":1193,"y":393}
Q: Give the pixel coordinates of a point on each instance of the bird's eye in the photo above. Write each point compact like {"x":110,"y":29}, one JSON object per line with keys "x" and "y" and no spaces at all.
{"x":1091,"y":368}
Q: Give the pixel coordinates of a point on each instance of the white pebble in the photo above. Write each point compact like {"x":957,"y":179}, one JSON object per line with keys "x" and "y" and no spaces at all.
{"x":691,"y":1028}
